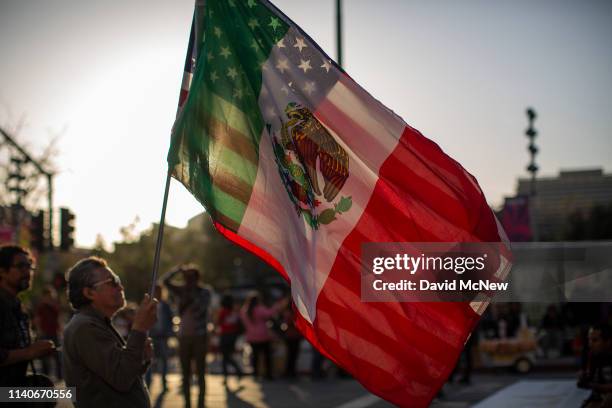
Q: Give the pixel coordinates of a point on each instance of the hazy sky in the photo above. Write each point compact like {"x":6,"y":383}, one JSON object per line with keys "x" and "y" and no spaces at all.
{"x":106,"y":75}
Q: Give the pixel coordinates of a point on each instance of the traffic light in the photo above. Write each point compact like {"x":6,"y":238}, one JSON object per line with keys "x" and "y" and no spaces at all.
{"x":37,"y":232}
{"x":66,"y":229}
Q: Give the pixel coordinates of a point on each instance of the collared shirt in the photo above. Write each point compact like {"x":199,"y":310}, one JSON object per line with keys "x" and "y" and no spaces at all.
{"x":14,"y":334}
{"x":105,"y":369}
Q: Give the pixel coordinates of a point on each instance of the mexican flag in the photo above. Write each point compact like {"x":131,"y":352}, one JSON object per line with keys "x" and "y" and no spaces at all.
{"x":297,"y":163}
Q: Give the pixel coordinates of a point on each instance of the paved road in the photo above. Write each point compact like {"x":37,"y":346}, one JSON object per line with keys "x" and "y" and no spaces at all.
{"x":344,"y":393}
{"x":486,"y":390}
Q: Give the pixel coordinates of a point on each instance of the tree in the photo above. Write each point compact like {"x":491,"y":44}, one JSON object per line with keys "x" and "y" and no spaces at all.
{"x":222,"y":263}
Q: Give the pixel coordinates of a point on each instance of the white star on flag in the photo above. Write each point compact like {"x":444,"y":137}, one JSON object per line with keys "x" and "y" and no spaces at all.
{"x":232,"y":73}
{"x":253,"y":23}
{"x":274,"y":23}
{"x":309,"y":87}
{"x":326,"y":66}
{"x":304,"y":65}
{"x":282,"y":65}
{"x":225,"y":52}
{"x":299,"y":43}
{"x":217,"y":31}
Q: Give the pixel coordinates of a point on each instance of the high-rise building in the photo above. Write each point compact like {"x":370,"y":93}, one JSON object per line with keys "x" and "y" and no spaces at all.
{"x":557,"y":198}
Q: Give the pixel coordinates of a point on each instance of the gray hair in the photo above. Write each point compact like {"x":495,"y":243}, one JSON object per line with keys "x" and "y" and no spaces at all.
{"x":82,"y":276}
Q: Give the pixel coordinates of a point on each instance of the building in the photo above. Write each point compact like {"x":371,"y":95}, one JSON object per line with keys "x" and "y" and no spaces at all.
{"x":557,"y":198}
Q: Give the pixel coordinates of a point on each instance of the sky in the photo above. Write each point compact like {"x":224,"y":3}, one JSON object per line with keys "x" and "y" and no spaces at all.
{"x":105,"y":75}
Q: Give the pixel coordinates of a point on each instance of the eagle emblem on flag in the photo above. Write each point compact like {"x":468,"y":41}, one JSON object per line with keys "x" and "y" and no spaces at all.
{"x":303,"y":142}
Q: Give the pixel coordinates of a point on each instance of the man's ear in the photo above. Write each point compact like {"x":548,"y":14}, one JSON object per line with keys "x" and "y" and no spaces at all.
{"x":88,"y":293}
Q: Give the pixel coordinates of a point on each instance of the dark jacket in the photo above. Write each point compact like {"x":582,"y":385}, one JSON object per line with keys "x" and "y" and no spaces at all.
{"x":14,"y":334}
{"x":106,"y":371}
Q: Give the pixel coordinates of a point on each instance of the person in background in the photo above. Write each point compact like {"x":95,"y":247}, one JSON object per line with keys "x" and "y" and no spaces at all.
{"x":292,"y":338}
{"x":229,"y":327}
{"x":124,"y":319}
{"x":193,"y":307}
{"x":105,"y":369}
{"x":17,"y":349}
{"x":551,"y":330}
{"x":255,"y":316}
{"x":598,"y":374}
{"x":46,"y":319}
{"x":160,"y":333}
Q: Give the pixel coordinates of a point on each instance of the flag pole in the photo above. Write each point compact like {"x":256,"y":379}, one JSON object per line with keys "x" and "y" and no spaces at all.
{"x":182,"y":96}
{"x":160,"y":234}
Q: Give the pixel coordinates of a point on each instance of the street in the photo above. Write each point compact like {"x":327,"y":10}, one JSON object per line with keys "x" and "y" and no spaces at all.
{"x":488,"y":390}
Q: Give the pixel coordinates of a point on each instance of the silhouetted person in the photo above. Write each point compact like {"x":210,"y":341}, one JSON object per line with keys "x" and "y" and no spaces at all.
{"x":466,"y":357}
{"x":551,"y":329}
{"x":193,"y":304}
{"x":16,"y":347}
{"x":160,"y":333}
{"x":228,"y":323}
{"x":255,"y":316}
{"x":105,"y":369}
{"x":598,"y":374}
{"x":47,"y":315}
{"x":293,"y":339}
{"x":124,"y":319}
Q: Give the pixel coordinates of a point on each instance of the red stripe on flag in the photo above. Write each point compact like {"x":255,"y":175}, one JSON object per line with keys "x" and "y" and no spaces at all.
{"x":183,"y":97}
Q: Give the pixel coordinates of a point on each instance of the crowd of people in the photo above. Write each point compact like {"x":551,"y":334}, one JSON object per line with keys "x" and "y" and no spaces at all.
{"x":110,"y":349}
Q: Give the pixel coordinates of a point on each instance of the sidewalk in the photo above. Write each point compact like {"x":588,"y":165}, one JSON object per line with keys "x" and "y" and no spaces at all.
{"x":263,"y":394}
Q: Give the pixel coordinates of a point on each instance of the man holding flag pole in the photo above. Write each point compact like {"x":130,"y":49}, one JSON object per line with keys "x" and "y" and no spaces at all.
{"x":295,"y":162}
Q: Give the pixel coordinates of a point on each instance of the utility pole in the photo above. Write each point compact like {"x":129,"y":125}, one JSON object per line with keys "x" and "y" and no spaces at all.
{"x":532,"y":168}
{"x":26,"y":158}
{"x":15,"y":178}
{"x":339,"y":31}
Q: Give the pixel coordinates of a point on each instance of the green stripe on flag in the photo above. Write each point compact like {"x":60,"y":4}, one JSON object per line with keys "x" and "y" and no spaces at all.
{"x":228,"y":205}
{"x":215,"y":140}
{"x":229,"y":113}
{"x":231,"y":163}
{"x":221,"y":133}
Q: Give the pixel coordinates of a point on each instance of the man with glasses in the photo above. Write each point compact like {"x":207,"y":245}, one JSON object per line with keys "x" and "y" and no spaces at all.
{"x":16,"y":347}
{"x":105,"y":369}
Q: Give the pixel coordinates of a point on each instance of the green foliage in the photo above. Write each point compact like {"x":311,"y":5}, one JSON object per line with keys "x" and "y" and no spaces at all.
{"x":344,"y":204}
{"x":327,"y":216}
{"x":222,"y":263}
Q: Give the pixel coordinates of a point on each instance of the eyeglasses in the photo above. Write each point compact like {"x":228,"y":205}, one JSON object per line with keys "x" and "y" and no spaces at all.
{"x":114,"y":281}
{"x":25,"y":266}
